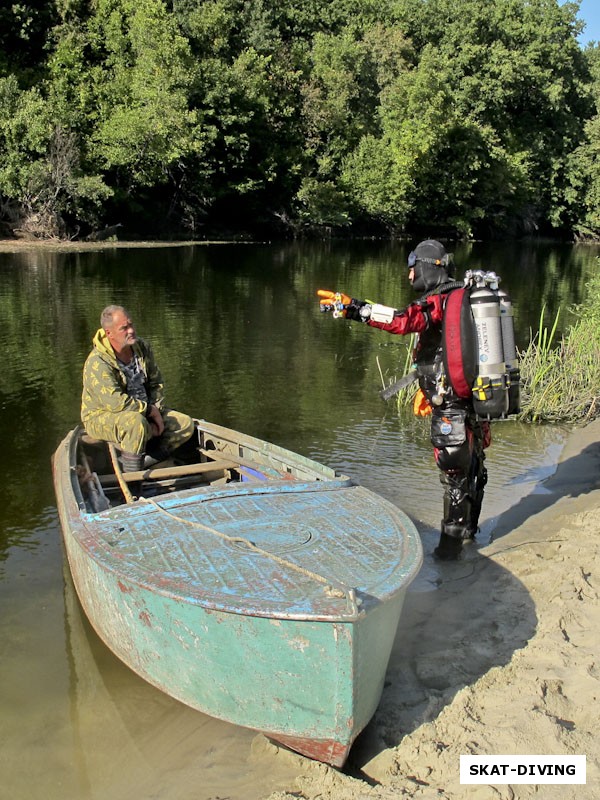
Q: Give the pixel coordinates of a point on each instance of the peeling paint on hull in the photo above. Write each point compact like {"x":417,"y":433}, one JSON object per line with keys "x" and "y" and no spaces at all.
{"x":284,"y":658}
{"x":329,"y":751}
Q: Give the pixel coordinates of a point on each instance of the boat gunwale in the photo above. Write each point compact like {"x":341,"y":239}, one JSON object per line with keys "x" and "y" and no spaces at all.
{"x":274,"y":450}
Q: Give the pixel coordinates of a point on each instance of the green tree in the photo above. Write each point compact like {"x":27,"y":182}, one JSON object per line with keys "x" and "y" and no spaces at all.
{"x":245,"y":92}
{"x":23,"y":30}
{"x":349,"y":73}
{"x":583,"y":191}
{"x":141,"y":73}
{"x":517,"y":80}
{"x":473,"y":117}
{"x":41,"y":180}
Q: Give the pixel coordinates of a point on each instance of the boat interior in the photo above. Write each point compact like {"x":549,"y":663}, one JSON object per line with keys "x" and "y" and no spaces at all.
{"x":206,"y":460}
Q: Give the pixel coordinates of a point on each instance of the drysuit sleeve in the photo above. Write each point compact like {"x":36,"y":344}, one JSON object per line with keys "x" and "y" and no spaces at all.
{"x":415,"y":318}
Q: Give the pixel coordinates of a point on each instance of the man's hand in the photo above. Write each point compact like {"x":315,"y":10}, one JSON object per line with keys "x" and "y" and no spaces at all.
{"x":156,"y":421}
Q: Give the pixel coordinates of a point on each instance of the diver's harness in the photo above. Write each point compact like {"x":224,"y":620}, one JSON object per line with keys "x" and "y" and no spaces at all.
{"x":479,"y":356}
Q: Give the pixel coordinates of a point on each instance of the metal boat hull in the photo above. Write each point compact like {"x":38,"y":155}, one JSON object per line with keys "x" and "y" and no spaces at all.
{"x":311,"y":681}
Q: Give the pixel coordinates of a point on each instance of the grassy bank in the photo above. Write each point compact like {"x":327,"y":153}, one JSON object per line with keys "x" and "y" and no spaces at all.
{"x":561,"y":382}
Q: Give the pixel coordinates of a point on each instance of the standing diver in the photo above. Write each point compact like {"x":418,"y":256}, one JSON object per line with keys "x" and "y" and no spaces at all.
{"x":458,"y":436}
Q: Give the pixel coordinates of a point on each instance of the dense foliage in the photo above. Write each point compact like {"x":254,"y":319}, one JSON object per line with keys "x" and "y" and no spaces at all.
{"x":477,"y":117}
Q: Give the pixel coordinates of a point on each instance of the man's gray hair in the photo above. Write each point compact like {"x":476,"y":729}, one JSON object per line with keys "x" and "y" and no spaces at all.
{"x":106,"y":318}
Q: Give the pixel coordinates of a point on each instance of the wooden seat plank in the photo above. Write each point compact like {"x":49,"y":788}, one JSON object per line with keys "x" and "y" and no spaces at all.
{"x":153,"y":473}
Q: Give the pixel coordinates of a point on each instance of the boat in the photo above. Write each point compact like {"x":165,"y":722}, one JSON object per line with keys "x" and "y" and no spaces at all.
{"x":246,"y":581}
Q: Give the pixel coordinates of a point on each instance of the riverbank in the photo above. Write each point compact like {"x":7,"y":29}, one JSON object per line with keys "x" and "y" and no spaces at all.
{"x":501,"y":659}
{"x":62,"y":245}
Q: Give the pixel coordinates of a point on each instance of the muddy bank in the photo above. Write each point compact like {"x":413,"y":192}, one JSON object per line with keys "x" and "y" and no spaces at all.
{"x":60,"y":245}
{"x":501,"y":659}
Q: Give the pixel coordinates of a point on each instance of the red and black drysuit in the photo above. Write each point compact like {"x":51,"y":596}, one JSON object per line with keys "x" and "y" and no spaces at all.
{"x":458,"y":436}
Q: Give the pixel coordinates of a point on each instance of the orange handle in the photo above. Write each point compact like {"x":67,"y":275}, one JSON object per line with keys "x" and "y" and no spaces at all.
{"x":333,"y":298}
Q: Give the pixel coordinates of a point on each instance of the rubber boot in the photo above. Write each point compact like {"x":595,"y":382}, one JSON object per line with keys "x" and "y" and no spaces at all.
{"x":156,"y":452}
{"x":188,"y":451}
{"x":450,"y":545}
{"x":460,"y":513}
{"x":133,"y":462}
{"x":478,"y":485}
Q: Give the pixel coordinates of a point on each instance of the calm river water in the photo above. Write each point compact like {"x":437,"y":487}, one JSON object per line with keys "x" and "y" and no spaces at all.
{"x":241,"y":342}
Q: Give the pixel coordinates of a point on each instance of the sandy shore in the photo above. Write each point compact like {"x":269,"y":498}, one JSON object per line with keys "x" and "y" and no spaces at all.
{"x":503,"y":658}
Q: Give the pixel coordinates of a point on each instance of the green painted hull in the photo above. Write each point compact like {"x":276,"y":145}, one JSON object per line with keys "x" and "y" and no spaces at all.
{"x":307,"y":670}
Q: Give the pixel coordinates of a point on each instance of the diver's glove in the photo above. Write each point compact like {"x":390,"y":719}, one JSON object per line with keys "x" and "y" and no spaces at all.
{"x":341,"y":305}
{"x":358,"y":310}
{"x":365,"y":311}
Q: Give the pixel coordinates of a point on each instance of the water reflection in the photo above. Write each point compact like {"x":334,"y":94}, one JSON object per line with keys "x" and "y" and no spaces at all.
{"x":240,"y":341}
{"x":146,"y":736}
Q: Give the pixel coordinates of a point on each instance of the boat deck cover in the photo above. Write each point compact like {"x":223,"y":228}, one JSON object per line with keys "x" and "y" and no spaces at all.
{"x":290,"y":549}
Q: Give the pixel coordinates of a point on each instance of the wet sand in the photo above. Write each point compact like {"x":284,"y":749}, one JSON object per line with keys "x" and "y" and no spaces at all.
{"x":503,"y":658}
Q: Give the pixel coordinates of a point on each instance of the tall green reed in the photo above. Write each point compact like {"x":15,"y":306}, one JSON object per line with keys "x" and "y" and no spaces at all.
{"x":561,"y":383}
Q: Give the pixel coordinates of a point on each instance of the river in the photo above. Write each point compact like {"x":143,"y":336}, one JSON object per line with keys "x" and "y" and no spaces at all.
{"x":240,"y":340}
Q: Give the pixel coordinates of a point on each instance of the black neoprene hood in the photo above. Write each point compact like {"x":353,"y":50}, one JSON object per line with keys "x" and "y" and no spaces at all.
{"x":431,"y":264}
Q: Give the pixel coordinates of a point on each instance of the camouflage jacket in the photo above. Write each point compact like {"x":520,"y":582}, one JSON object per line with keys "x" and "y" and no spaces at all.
{"x":105,"y":385}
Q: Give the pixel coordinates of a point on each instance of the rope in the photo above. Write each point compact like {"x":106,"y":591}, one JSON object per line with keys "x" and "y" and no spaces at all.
{"x":330,"y":589}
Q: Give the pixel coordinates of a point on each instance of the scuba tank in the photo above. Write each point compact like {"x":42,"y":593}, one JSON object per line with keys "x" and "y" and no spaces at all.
{"x":478,"y":346}
{"x":510,"y":353}
{"x":490,"y":389}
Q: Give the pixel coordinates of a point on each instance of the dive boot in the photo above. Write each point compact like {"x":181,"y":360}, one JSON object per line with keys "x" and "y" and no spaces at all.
{"x":450,"y":546}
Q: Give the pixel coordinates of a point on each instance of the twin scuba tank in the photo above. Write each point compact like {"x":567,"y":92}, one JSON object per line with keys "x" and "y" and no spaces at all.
{"x":478,"y":346}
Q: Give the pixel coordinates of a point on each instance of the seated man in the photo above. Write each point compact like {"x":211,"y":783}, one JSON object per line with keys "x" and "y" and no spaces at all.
{"x":122,"y":399}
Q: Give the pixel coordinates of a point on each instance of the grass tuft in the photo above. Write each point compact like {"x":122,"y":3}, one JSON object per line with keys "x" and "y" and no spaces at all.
{"x":562,"y":383}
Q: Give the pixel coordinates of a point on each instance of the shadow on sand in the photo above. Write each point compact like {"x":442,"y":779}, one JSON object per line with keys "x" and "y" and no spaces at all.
{"x":462,"y":619}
